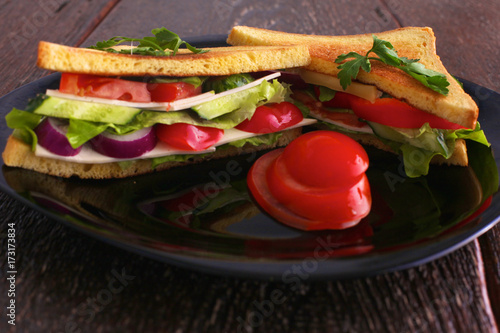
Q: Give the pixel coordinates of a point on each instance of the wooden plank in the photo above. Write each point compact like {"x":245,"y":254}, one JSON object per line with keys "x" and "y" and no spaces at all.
{"x":318,"y":17}
{"x":466,"y":31}
{"x":490,"y":250}
{"x":54,"y":20}
{"x":68,"y":281}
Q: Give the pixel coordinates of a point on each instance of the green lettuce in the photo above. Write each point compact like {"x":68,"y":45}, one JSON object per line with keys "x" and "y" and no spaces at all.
{"x":80,"y":131}
{"x":265,"y":139}
{"x":419,"y":146}
{"x":23,"y":124}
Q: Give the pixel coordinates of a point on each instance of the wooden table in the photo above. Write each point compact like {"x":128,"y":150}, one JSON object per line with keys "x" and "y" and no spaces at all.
{"x":62,"y":274}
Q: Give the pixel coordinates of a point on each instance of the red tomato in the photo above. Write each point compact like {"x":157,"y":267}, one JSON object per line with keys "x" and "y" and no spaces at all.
{"x":168,"y":92}
{"x":132,"y":91}
{"x":302,"y":191}
{"x":272,"y":118}
{"x":393,"y":112}
{"x":323,"y":159}
{"x":389,"y":111}
{"x":188,"y":137}
{"x":259,"y":189}
{"x":337,"y":206}
{"x":321,"y":176}
{"x":104,"y":87}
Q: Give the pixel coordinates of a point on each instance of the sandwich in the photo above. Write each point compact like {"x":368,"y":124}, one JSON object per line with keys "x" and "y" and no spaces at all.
{"x":389,"y":90}
{"x":123,"y":110}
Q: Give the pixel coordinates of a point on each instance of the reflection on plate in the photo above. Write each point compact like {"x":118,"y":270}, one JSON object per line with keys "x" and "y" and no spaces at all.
{"x":203,"y":218}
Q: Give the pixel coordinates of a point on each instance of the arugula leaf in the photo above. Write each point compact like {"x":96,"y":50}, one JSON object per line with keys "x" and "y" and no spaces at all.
{"x":154,"y":46}
{"x":388,"y":55}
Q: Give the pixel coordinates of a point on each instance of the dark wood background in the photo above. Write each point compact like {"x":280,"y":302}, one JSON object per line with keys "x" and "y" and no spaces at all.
{"x":61,"y":272}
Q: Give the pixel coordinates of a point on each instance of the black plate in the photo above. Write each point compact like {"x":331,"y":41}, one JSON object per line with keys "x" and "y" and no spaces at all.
{"x":412,"y":221}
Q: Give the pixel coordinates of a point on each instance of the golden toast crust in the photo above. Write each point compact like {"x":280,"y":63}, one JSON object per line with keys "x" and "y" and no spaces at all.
{"x":411,"y":42}
{"x":218,"y":61}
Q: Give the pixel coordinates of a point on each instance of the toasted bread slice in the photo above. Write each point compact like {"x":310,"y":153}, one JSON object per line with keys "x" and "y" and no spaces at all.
{"x":218,"y":61}
{"x":19,"y":154}
{"x":411,"y":42}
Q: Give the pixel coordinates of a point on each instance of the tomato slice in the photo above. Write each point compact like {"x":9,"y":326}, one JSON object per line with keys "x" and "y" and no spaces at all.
{"x":169,"y":92}
{"x":125,"y":90}
{"x":272,"y":118}
{"x":395,"y":113}
{"x":104,"y":87}
{"x":337,"y":206}
{"x":259,"y":188}
{"x":188,"y":137}
{"x":389,"y":111}
{"x":325,"y":159}
{"x":317,"y":182}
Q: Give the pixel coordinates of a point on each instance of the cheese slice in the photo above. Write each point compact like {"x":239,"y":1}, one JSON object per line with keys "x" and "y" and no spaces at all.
{"x":365,"y":91}
{"x":88,"y":156}
{"x":181,"y":104}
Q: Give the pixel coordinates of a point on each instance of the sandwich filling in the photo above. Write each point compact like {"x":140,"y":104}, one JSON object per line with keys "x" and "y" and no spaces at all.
{"x":416,"y":134}
{"x":94,"y":119}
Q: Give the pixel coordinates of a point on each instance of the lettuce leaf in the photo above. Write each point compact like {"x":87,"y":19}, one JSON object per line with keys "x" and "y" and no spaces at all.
{"x":81,"y":131}
{"x":172,"y":158}
{"x":265,"y":139}
{"x":23,"y":123}
{"x":419,"y":146}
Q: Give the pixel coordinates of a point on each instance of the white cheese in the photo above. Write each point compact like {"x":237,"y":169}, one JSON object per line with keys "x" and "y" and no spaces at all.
{"x":177,"y":105}
{"x":88,"y":156}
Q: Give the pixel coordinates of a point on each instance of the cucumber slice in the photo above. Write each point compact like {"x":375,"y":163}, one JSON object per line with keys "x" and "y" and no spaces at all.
{"x":246,"y":98}
{"x":433,"y":140}
{"x":96,"y":112}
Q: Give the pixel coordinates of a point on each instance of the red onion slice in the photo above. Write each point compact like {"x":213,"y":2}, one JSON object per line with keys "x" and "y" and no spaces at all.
{"x":125,"y":146}
{"x":51,"y":134}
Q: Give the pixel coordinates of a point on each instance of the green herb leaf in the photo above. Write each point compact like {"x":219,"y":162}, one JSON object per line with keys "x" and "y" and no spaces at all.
{"x":385,"y":51}
{"x":350,"y":69}
{"x":154,"y":46}
{"x":387,"y":54}
{"x":326,"y":94}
